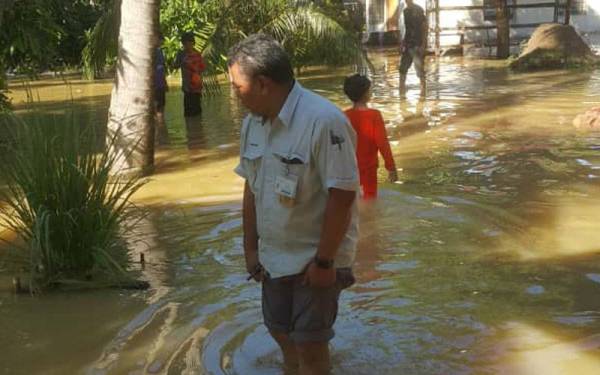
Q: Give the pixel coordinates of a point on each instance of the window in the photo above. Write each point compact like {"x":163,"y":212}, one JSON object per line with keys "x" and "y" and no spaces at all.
{"x":577,"y":7}
{"x":489,"y":13}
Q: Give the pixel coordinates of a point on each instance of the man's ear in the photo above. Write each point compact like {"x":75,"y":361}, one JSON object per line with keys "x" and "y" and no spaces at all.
{"x":264,"y":84}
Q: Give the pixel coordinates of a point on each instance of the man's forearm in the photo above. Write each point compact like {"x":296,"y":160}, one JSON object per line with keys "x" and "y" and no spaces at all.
{"x":249,"y":226}
{"x":338,"y":214}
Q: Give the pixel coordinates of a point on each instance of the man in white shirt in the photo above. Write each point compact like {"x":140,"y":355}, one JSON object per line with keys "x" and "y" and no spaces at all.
{"x":297,"y":154}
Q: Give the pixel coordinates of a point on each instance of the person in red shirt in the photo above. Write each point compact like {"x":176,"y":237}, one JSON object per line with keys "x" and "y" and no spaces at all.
{"x":192,"y":65}
{"x":371,"y":135}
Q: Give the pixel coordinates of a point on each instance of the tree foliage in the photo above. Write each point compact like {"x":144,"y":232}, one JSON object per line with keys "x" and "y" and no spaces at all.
{"x":51,"y":34}
{"x":37,"y":35}
{"x":28,"y":32}
{"x":102,"y":41}
{"x":4,"y":100}
{"x":45,"y":34}
{"x":313,"y":32}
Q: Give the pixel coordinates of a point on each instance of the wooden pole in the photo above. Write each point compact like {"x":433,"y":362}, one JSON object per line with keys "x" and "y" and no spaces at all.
{"x":437,"y":27}
{"x":568,"y":12}
{"x":556,"y":8}
{"x":502,"y":30}
{"x":367,"y":18}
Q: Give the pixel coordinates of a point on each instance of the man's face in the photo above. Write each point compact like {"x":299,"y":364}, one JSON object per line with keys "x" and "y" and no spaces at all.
{"x":188,"y":45}
{"x":408,"y":2}
{"x":251,"y":91}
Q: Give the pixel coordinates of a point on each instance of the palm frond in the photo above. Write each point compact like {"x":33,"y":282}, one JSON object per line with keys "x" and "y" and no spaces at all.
{"x":102,"y":41}
{"x":312,"y":37}
{"x":204,"y":41}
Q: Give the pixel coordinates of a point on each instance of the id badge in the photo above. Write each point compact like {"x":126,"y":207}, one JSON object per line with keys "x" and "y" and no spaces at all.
{"x":285,"y":187}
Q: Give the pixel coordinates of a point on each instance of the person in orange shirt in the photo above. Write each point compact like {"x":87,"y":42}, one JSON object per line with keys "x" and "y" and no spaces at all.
{"x":192,"y":65}
{"x":371,"y":135}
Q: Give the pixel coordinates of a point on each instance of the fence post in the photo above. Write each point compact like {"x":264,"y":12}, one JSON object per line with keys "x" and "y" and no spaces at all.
{"x":502,"y":30}
{"x":437,"y":27}
{"x":568,"y":12}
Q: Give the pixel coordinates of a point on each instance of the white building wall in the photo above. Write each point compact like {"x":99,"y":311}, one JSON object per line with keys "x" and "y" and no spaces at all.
{"x":589,"y":22}
{"x":584,"y":23}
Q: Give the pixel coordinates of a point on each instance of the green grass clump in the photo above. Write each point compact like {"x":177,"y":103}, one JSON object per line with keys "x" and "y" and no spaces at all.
{"x":62,"y":200}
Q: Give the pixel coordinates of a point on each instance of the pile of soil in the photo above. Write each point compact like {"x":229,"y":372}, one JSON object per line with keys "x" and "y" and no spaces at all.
{"x":554,"y":46}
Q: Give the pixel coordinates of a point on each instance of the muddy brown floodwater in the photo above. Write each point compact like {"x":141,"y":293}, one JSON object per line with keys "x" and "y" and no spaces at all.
{"x":484,"y":259}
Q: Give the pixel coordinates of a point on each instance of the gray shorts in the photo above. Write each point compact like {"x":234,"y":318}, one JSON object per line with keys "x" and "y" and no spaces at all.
{"x":306,"y":314}
{"x":409,"y":56}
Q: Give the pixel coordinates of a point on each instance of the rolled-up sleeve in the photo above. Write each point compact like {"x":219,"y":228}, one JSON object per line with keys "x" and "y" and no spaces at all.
{"x":239,"y":169}
{"x":336,"y":154}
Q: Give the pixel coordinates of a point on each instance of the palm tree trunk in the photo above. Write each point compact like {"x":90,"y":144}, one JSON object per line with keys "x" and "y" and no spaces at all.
{"x":131,"y":113}
{"x":503,"y":30}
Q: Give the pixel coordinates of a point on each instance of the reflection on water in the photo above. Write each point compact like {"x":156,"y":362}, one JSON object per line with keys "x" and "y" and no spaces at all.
{"x":483,"y":260}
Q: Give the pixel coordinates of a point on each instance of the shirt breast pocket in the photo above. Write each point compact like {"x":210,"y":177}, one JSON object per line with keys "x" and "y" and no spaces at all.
{"x":294,"y":165}
{"x":291,"y":163}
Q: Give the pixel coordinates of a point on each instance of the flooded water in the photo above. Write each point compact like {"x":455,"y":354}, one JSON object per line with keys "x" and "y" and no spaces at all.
{"x":484,"y":259}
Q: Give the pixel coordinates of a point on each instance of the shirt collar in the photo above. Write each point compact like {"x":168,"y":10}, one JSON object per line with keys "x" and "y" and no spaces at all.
{"x":287,"y":111}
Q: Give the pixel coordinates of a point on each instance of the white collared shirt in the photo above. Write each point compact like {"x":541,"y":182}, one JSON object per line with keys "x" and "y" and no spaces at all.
{"x":312,"y":140}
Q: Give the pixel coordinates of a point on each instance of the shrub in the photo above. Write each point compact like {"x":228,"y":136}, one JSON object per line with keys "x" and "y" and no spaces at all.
{"x":63,"y":203}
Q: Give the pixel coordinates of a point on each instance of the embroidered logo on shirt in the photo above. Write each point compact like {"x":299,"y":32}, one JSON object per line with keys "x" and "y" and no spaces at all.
{"x":336,"y":139}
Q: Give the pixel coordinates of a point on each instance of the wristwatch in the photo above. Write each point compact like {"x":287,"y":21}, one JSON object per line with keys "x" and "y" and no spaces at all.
{"x":323,"y":263}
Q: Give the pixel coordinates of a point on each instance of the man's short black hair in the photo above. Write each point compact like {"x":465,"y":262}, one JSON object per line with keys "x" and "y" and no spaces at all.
{"x":356,"y":86}
{"x":188,"y":36}
{"x":260,"y":54}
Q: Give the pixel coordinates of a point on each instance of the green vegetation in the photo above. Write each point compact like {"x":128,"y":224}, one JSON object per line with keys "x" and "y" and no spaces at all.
{"x":67,"y":210}
{"x":101,"y":42}
{"x":550,"y":59}
{"x":4,"y":101}
{"x":40,"y":35}
{"x":311,"y":33}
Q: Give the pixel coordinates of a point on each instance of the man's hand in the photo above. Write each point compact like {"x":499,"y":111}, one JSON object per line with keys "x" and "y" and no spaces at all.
{"x":253,"y":266}
{"x":317,"y":277}
{"x":250,"y":235}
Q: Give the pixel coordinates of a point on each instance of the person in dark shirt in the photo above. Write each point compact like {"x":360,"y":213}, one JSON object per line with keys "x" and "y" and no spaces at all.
{"x":160,"y":89}
{"x":413,"y":45}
